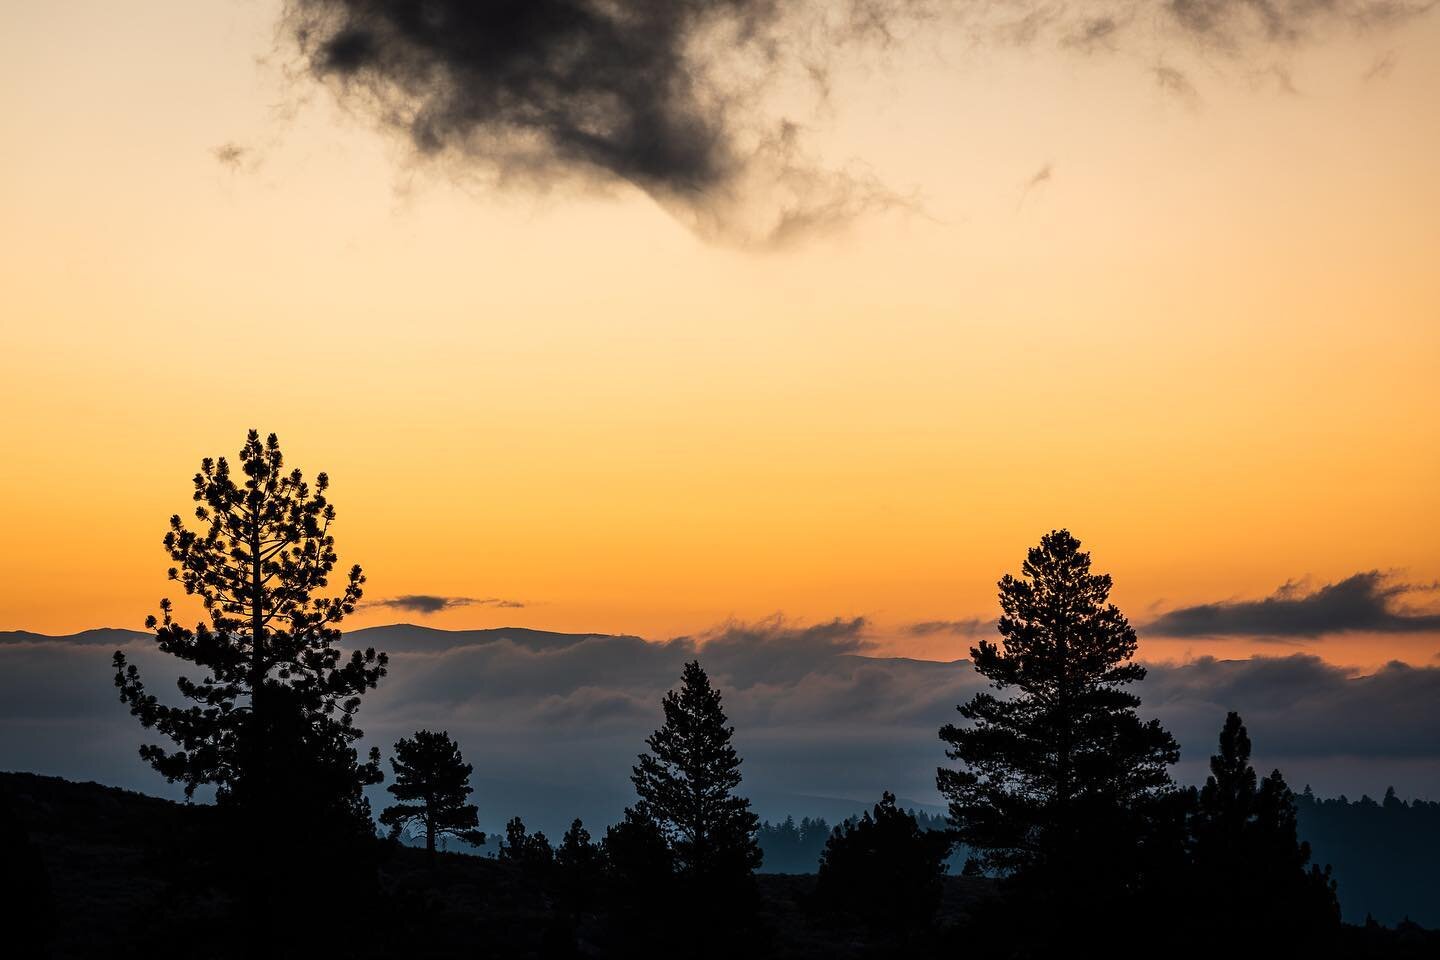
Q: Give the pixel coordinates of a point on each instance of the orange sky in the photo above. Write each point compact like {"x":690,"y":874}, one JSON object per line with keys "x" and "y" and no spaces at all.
{"x":1207,"y":343}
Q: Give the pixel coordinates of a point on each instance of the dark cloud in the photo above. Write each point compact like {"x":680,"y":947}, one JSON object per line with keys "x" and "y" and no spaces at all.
{"x":658,"y":94}
{"x":1364,"y":602}
{"x":675,"y":96}
{"x":426,"y":603}
{"x":1301,"y":707}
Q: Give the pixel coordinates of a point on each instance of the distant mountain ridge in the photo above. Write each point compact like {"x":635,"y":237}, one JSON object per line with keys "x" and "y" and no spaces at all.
{"x":97,"y":637}
{"x":391,"y":638}
{"x":415,"y":638}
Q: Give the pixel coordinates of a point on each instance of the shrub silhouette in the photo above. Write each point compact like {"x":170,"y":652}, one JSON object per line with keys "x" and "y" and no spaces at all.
{"x":884,"y":870}
{"x":435,"y":780}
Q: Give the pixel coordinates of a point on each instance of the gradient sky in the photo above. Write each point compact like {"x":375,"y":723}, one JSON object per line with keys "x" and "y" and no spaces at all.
{"x":1200,"y":328}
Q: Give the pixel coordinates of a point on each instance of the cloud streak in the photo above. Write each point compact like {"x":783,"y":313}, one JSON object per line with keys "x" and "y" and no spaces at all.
{"x":972,"y":627}
{"x":1369,"y":602}
{"x":427,"y":604}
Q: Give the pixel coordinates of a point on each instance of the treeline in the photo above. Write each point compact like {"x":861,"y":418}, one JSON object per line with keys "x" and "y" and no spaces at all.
{"x":1056,"y":788}
{"x":1385,"y":854}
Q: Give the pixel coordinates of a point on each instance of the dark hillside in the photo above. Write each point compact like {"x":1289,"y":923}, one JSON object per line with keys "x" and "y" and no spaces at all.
{"x":105,"y":872}
{"x":134,"y":875}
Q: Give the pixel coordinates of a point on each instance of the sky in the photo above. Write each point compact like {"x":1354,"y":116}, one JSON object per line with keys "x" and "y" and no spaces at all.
{"x":844,"y":326}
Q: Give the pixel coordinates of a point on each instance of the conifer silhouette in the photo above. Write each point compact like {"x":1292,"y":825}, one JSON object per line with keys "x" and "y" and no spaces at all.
{"x":1253,"y":877}
{"x":272,"y":680}
{"x":1054,"y":778}
{"x":432,"y":781}
{"x":270,"y":722}
{"x":687,"y":781}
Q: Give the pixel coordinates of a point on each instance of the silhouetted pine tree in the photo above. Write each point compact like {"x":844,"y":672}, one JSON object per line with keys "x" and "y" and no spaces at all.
{"x":435,"y":780}
{"x":270,"y":719}
{"x":884,"y":870}
{"x":268,"y":655}
{"x":1252,"y":875}
{"x":1056,"y":778}
{"x":686,"y":784}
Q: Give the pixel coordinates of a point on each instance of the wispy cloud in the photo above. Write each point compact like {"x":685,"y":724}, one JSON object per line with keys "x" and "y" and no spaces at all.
{"x":1382,"y":67}
{"x":972,"y":627}
{"x":230,"y":155}
{"x":1035,"y":180}
{"x":427,"y":603}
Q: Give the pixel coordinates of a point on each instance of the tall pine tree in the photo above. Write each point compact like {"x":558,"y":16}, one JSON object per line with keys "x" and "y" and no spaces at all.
{"x":432,"y":783}
{"x":686,"y":784}
{"x":1057,"y":771}
{"x":270,"y":719}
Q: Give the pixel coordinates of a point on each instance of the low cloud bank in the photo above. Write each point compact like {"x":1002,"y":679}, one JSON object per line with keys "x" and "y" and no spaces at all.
{"x":552,"y":722}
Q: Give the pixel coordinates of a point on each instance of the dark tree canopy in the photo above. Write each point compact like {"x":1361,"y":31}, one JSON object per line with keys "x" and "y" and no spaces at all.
{"x":271,"y":716}
{"x":1055,"y":771}
{"x":636,"y":854}
{"x":1252,"y":873}
{"x":577,"y":853}
{"x":647,"y":911}
{"x":432,"y":783}
{"x":884,"y":869}
{"x":687,"y":781}
{"x":531,"y":851}
{"x":579,"y":863}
